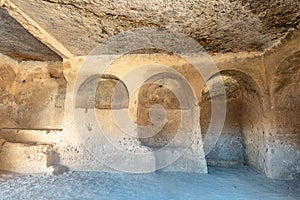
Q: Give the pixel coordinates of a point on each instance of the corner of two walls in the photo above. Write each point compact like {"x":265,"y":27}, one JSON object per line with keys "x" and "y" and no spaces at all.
{"x":283,"y":142}
{"x":270,"y":119}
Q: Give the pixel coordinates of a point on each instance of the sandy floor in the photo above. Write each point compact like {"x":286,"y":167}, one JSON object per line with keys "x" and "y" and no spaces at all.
{"x":221,"y":183}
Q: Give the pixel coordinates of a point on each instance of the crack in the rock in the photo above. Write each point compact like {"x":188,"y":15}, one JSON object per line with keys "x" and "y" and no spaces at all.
{"x":105,"y":14}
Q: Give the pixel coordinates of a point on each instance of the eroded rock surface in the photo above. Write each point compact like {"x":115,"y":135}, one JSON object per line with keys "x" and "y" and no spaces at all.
{"x":219,"y":26}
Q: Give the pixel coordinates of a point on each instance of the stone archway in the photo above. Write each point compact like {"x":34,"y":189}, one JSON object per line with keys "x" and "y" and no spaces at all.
{"x":181,"y":132}
{"x":241,"y":140}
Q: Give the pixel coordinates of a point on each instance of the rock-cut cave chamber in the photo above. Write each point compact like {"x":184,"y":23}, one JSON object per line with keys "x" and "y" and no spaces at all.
{"x":44,"y":45}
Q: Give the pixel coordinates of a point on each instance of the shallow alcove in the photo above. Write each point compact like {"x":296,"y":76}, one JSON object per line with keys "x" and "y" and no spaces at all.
{"x":241,"y":139}
{"x":99,"y":100}
{"x":102,"y":92}
{"x":111,"y":93}
{"x":174,"y":96}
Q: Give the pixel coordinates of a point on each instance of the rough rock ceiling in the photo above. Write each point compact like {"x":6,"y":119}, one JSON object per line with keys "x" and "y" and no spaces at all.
{"x":275,"y":15}
{"x":19,"y":44}
{"x":219,"y":25}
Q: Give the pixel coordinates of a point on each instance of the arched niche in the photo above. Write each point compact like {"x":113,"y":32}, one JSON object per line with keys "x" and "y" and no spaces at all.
{"x":102,"y":92}
{"x":174,"y":94}
{"x":241,"y":140}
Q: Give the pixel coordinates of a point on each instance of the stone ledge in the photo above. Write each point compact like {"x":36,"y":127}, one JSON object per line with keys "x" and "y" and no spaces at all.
{"x":32,"y":136}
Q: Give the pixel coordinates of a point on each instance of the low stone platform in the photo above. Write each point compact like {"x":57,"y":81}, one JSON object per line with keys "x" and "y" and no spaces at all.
{"x":24,"y":158}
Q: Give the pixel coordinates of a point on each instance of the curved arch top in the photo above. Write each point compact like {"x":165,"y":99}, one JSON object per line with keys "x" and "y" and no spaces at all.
{"x":110,"y":93}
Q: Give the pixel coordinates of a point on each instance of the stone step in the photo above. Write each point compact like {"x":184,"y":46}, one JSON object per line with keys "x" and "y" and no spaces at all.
{"x":24,"y":157}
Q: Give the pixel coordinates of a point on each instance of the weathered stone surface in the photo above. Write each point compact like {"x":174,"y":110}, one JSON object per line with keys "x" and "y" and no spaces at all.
{"x":262,"y":120}
{"x":220,"y":26}
{"x":284,"y":145}
{"x":24,"y":158}
{"x":32,"y":94}
{"x":126,"y":139}
{"x":31,"y":136}
{"x":283,"y":157}
{"x":102,"y":92}
{"x":229,"y":151}
{"x":241,"y":138}
{"x":275,"y":15}
{"x":19,"y":44}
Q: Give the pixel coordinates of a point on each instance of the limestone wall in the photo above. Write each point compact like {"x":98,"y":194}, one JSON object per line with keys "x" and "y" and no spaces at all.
{"x":32,"y":102}
{"x":242,"y":136}
{"x":32,"y":95}
{"x":283,"y":145}
{"x":261,"y":127}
